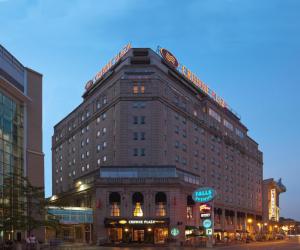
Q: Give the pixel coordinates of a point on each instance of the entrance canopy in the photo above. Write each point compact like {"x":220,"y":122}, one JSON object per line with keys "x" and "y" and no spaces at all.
{"x":72,"y":215}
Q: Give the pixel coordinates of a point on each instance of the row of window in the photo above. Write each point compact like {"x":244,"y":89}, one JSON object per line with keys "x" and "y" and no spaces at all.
{"x":85,"y":115}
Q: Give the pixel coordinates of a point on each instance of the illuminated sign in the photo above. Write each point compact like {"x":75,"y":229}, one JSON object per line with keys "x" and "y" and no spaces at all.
{"x":122,"y":222}
{"x":207,"y":223}
{"x":187,"y":73}
{"x":205,"y":215}
{"x":175,"y":231}
{"x":205,"y":208}
{"x":146,"y":221}
{"x":108,"y":66}
{"x":273,"y":207}
{"x":169,"y":57}
{"x":204,"y":195}
{"x":209,"y":231}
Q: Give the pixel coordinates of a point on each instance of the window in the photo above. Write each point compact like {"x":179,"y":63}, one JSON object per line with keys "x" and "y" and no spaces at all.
{"x":142,"y":136}
{"x":104,"y":158}
{"x":135,"y":89}
{"x":104,"y":100}
{"x":98,"y":133}
{"x":214,"y":114}
{"x":189,"y":212}
{"x":135,"y":152}
{"x":143,"y":152}
{"x":104,"y":116}
{"x":189,"y":209}
{"x":98,"y":147}
{"x":135,"y":120}
{"x":137,"y":202}
{"x":239,"y":133}
{"x":114,"y":202}
{"x":228,"y":125}
{"x":104,"y":144}
{"x":160,"y":204}
{"x":98,"y":162}
{"x":143,"y":120}
{"x":103,"y":131}
{"x":87,"y":166}
{"x":135,"y":136}
{"x":98,"y":119}
{"x":98,"y":105}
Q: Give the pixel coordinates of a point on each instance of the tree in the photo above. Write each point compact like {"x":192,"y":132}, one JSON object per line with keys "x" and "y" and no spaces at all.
{"x":23,"y":206}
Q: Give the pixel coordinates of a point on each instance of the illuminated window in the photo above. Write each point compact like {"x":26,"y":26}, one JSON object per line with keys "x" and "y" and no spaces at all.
{"x":189,"y":209}
{"x":160,"y":204}
{"x":142,"y":89}
{"x":138,"y":212}
{"x":137,"y":202}
{"x":114,"y":202}
{"x":189,"y":212}
{"x":135,"y":89}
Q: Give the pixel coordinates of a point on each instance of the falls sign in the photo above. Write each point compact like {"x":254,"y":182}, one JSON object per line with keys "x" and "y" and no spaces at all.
{"x":204,"y":194}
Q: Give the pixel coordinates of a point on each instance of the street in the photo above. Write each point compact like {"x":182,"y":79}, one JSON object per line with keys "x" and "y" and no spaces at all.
{"x":291,"y":244}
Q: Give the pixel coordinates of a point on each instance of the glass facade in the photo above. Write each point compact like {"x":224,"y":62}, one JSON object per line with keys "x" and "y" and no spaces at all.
{"x":11,"y":159}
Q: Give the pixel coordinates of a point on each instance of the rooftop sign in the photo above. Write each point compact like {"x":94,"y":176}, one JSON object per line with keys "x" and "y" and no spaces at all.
{"x":187,"y":73}
{"x":108,"y":66}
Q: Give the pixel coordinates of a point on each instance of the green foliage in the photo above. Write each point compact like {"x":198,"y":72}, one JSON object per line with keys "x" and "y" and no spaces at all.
{"x":23,"y":206}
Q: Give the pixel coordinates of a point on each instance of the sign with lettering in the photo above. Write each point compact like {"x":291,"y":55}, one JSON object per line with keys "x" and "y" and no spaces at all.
{"x":188,"y":74}
{"x":272,"y":209}
{"x":146,"y":222}
{"x":108,"y":66}
{"x":204,"y":195}
{"x":209,"y":231}
{"x":169,"y":57}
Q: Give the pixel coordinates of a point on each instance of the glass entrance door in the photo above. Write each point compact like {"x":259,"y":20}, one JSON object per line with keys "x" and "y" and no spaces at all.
{"x":138,"y":235}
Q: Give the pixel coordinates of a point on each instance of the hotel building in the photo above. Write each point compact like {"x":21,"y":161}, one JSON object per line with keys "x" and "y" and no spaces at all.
{"x":20,"y":137}
{"x":143,"y":139}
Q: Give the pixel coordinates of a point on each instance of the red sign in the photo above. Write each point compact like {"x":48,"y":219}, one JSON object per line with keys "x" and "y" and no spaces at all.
{"x":169,"y":57}
{"x":205,"y":208}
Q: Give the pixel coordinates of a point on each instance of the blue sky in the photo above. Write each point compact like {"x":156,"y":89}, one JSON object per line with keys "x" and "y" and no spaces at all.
{"x":246,"y":50}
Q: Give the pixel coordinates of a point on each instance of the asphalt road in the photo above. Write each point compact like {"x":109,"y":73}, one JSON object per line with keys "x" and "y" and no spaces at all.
{"x":291,"y":244}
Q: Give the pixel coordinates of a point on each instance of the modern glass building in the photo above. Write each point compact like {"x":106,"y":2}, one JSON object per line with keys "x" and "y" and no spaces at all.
{"x":20,"y":139}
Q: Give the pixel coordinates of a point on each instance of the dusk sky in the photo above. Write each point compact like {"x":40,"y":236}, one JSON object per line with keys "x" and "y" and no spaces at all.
{"x":248,"y":51}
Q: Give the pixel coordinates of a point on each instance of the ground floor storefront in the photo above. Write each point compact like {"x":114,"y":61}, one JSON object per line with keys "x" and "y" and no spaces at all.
{"x":137,"y":231}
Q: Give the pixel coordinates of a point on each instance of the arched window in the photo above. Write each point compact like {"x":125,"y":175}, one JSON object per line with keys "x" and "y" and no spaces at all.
{"x":189,"y":208}
{"x":114,"y":202}
{"x":160,"y":204}
{"x":137,"y":202}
